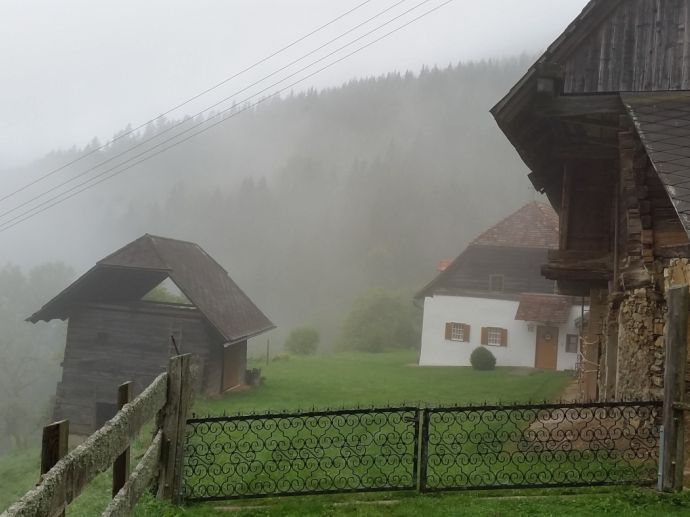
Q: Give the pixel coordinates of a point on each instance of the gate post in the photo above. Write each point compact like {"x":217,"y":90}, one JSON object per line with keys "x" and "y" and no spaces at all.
{"x":181,"y":387}
{"x":424,"y":456}
{"x":672,"y":448}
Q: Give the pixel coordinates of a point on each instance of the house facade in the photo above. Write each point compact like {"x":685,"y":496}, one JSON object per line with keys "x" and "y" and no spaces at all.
{"x":493,"y":295}
{"x":603,"y":122}
{"x":114,"y":335}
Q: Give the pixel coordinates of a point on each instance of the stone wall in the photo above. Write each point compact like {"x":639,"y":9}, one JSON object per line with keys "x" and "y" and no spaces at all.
{"x":641,"y":345}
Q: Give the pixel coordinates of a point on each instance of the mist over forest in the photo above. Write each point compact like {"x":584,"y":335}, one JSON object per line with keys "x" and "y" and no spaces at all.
{"x":309,"y":201}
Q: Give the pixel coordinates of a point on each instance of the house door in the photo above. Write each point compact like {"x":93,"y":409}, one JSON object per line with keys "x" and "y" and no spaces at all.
{"x":547,"y":348}
{"x":234,"y":365}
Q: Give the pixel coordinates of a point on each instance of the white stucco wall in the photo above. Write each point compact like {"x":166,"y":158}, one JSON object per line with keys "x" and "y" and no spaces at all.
{"x":485,"y":312}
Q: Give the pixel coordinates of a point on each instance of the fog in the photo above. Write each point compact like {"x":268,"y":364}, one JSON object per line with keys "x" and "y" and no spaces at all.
{"x":360,"y":178}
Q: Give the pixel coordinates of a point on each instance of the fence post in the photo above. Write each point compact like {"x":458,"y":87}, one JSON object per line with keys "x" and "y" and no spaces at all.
{"x":672,"y":459}
{"x":121,"y":465}
{"x":180,"y":394}
{"x":54,"y":446}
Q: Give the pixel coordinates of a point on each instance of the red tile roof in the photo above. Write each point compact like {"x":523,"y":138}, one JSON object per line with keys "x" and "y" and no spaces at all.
{"x":544,"y":308}
{"x":535,"y":225}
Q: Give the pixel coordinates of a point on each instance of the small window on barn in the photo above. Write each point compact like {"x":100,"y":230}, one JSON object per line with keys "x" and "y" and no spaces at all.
{"x":571,"y":343}
{"x":494,"y":336}
{"x":496,"y":283}
{"x":458,"y":332}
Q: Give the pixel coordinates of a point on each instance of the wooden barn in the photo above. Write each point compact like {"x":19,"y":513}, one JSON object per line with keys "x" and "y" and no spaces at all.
{"x":603,"y":122}
{"x":114,"y":336}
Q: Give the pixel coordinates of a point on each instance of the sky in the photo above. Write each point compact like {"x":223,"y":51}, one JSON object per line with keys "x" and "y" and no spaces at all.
{"x":78,"y":69}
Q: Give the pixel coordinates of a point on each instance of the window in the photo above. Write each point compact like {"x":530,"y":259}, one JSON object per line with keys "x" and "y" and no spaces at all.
{"x":496,"y":283}
{"x":571,"y":343}
{"x":494,"y":336}
{"x":458,"y":332}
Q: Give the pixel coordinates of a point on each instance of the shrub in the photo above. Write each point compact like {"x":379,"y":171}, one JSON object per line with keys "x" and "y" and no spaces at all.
{"x":380,"y":321}
{"x":302,"y":341}
{"x":482,"y":359}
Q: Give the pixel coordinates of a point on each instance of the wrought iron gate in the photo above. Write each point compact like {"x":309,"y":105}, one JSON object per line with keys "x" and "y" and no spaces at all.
{"x":426,"y":449}
{"x":359,"y":450}
{"x":546,"y":445}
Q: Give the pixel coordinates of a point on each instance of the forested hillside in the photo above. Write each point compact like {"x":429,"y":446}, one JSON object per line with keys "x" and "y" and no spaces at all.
{"x":311,"y":199}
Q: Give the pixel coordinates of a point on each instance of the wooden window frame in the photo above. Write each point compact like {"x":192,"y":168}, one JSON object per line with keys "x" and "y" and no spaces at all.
{"x":501,"y":281}
{"x":452,"y":327}
{"x":569,"y":339}
{"x":503,"y":333}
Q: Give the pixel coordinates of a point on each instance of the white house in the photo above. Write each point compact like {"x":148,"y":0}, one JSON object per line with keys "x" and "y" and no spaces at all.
{"x":493,"y":295}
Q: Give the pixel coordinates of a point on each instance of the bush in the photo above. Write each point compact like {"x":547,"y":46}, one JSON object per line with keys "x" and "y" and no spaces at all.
{"x":380,"y":321}
{"x":482,"y":359}
{"x":302,"y":341}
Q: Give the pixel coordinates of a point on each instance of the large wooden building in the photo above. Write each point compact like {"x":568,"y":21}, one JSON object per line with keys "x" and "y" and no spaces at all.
{"x":603,"y":122}
{"x":114,"y":336}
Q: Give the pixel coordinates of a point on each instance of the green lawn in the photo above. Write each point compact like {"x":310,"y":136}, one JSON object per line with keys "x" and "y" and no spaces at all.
{"x":379,"y":379}
{"x":362,"y":379}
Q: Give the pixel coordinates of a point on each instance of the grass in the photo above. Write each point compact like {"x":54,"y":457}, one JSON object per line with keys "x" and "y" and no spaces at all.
{"x":556,"y":503}
{"x":351,"y":379}
{"x":380,"y":379}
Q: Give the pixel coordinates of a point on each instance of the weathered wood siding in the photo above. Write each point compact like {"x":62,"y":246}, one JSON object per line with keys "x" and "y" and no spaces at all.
{"x":107,"y":345}
{"x":644,"y":45}
{"x":520,"y":267}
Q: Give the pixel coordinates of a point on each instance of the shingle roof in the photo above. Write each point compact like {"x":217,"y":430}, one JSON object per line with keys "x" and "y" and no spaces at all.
{"x":544,"y":308}
{"x":132,"y":271}
{"x":535,"y":225}
{"x":663,"y":124}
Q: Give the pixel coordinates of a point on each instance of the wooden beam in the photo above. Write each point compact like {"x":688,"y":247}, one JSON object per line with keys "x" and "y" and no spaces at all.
{"x":68,"y":478}
{"x":674,"y":251}
{"x":140,"y":480}
{"x":121,"y":466}
{"x":579,"y":105}
{"x":54,"y":447}
{"x":672,"y":459}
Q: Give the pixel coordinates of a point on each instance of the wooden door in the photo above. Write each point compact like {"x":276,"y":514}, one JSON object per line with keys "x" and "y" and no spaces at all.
{"x":547,"y":348}
{"x":234,"y":365}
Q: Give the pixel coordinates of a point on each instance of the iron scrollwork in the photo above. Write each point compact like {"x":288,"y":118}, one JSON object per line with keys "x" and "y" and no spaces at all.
{"x":301,"y":453}
{"x":545,"y":445}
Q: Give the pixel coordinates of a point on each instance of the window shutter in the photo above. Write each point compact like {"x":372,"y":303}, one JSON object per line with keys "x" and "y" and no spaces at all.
{"x":485,"y":336}
{"x":467,"y":333}
{"x":504,"y":337}
{"x":449,"y":331}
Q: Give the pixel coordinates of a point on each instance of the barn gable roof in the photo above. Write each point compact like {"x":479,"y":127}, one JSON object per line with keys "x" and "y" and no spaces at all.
{"x":532,"y":229}
{"x":132,"y":271}
{"x":583,"y":25}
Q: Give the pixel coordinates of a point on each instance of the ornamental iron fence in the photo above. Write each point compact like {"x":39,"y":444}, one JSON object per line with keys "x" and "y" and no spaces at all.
{"x":426,"y":449}
{"x":539,"y":446}
{"x":319,"y":452}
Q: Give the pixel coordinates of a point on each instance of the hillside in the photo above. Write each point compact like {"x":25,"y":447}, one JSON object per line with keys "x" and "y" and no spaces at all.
{"x":311,"y":199}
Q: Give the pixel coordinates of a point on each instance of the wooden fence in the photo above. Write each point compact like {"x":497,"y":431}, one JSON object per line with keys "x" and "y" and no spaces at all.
{"x":65,"y":475}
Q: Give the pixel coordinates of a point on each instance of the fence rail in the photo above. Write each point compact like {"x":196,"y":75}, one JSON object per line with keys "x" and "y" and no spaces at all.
{"x":71,"y":474}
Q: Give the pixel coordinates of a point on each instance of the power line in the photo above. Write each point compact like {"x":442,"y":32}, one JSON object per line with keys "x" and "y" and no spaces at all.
{"x":178,"y":124}
{"x":184,"y":103}
{"x":88,"y":184}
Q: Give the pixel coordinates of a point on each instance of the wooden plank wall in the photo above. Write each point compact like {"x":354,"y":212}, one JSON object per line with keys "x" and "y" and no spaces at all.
{"x":644,"y":45}
{"x":520,"y":267}
{"x":107,"y":345}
